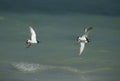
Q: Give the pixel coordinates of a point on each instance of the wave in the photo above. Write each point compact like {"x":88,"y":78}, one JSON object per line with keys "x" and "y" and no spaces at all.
{"x":32,"y":67}
{"x":97,"y":70}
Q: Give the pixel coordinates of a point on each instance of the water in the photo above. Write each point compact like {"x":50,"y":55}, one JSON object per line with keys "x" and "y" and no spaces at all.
{"x":56,"y":57}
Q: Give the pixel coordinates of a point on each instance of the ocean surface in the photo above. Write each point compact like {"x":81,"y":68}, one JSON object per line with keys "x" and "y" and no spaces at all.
{"x":56,"y":57}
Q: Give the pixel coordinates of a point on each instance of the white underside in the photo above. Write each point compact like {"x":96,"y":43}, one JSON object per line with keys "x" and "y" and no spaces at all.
{"x":82,"y":40}
{"x":32,"y":41}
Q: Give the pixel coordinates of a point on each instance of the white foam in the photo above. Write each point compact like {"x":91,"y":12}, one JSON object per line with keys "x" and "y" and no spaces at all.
{"x":70,"y":69}
{"x":32,"y":67}
{"x":26,"y":67}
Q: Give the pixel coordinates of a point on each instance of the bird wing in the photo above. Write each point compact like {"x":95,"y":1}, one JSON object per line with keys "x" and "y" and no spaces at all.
{"x":81,"y":47}
{"x":28,"y":45}
{"x":87,"y":30}
{"x":78,"y":39}
{"x":33,"y":34}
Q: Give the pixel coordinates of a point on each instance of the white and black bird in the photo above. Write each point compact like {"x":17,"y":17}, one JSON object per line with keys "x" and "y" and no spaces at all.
{"x":33,"y":39}
{"x":84,"y":39}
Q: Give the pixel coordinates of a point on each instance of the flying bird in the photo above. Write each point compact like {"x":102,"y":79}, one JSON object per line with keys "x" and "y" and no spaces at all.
{"x":33,"y":39}
{"x":84,"y":39}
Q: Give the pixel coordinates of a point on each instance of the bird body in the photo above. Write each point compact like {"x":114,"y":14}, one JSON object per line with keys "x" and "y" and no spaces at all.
{"x":84,"y":39}
{"x":33,"y":39}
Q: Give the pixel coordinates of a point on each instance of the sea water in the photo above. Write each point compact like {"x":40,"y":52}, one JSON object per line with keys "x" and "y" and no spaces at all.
{"x":56,"y":57}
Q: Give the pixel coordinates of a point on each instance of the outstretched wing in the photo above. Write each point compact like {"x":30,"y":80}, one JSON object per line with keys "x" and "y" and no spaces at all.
{"x":33,"y":34}
{"x":87,"y":30}
{"x":82,"y":45}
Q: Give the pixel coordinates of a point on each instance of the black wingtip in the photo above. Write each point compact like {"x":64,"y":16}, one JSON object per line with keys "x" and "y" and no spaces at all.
{"x":38,"y":41}
{"x":90,"y":28}
{"x":77,"y":38}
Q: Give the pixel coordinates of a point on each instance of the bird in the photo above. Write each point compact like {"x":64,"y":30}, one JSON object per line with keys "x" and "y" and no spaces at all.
{"x":84,"y":39}
{"x":33,"y":39}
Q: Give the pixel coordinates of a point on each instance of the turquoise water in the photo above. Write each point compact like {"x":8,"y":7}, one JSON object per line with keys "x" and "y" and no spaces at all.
{"x":56,"y":57}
